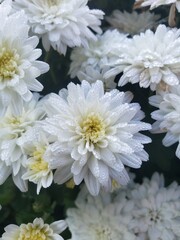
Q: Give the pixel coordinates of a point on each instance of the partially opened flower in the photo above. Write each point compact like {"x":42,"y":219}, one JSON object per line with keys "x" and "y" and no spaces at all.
{"x":97,"y":134}
{"x":100,"y":218}
{"x":132,"y":23}
{"x":37,"y":170}
{"x":92,"y":75}
{"x":18,"y":65}
{"x":13,"y":127}
{"x":167,"y":116}
{"x":36,"y":230}
{"x":150,"y":59}
{"x":156,"y":214}
{"x":61,"y":23}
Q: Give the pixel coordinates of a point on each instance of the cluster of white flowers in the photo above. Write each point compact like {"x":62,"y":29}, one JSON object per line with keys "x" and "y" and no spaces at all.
{"x":132,"y":23}
{"x":20,"y":109}
{"x":147,"y":211}
{"x":151,"y":59}
{"x":90,"y":132}
{"x":13,"y":127}
{"x":37,"y":230}
{"x":87,"y":135}
{"x":84,"y":133}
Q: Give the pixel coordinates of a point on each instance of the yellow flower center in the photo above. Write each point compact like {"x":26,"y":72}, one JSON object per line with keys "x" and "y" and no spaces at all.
{"x":103,"y":233}
{"x":15,"y":121}
{"x":53,"y":2}
{"x":93,"y":128}
{"x":38,"y":163}
{"x":8,"y":64}
{"x":31,"y":232}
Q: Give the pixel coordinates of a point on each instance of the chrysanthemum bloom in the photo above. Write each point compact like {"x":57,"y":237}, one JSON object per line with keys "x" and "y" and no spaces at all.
{"x":100,"y":132}
{"x":132,"y":23}
{"x":36,"y":230}
{"x":18,"y":65}
{"x":156,"y":215}
{"x":12,"y":157}
{"x":37,"y":170}
{"x":167,"y":116}
{"x":61,"y":23}
{"x":150,"y":59}
{"x":156,"y":3}
{"x":99,"y":218}
{"x":92,"y":62}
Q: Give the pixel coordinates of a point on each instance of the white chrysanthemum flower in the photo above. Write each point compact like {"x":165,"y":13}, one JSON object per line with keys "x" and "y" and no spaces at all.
{"x":99,"y":218}
{"x":156,"y":215}
{"x":91,"y":62}
{"x":132,"y":23}
{"x":18,"y":65}
{"x":167,"y":116}
{"x":12,"y":157}
{"x":34,"y":144}
{"x":97,"y":135}
{"x":156,"y":3}
{"x":61,"y":23}
{"x":150,"y":59}
{"x":36,"y":230}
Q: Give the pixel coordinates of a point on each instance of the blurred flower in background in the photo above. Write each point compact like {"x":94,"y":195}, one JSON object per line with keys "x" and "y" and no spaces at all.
{"x":132,"y":23}
{"x":147,"y":211}
{"x":156,"y":214}
{"x":100,"y":218}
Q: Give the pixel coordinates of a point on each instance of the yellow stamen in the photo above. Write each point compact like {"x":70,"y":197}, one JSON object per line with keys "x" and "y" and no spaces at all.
{"x":93,"y":128}
{"x":31,"y":232}
{"x":8,"y":64}
{"x":38,"y":163}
